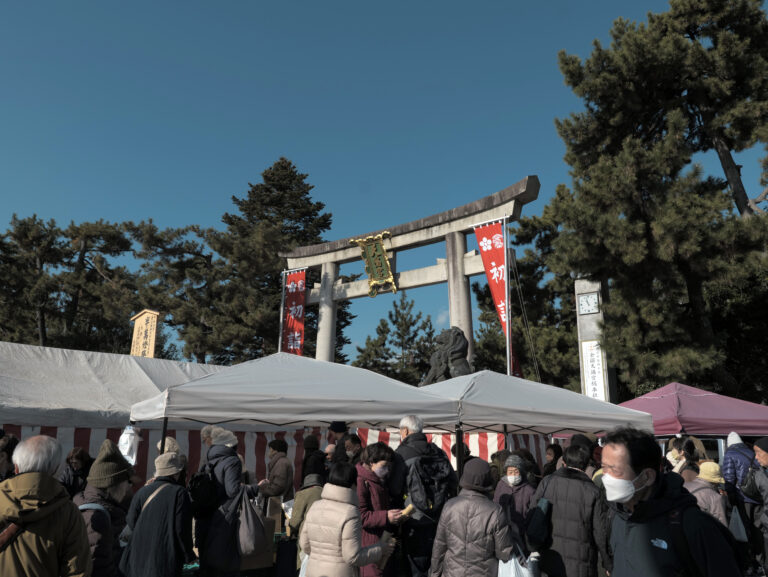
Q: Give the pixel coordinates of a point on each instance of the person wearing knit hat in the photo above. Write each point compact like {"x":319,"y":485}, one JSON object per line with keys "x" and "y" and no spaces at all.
{"x":514,"y":493}
{"x":761,"y":480}
{"x":104,"y":503}
{"x":226,"y":471}
{"x":223,"y":437}
{"x":736,"y":463}
{"x":472,"y":534}
{"x":733,"y":439}
{"x":705,"y":487}
{"x":160,"y":523}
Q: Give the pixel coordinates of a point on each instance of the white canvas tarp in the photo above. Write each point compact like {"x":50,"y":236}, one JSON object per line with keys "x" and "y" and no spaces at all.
{"x":491,"y":401}
{"x":65,"y":388}
{"x":291,"y":391}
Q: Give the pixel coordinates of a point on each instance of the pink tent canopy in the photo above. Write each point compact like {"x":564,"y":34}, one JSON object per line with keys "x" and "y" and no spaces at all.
{"x":678,"y":408}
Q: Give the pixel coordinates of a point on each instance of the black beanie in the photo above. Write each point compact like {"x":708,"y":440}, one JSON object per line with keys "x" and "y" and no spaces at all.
{"x":762,"y":442}
{"x":338,"y":427}
{"x":476,"y":476}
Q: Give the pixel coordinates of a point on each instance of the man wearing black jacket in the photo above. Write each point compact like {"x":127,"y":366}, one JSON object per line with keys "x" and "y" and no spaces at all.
{"x":418,"y":533}
{"x":657,"y":528}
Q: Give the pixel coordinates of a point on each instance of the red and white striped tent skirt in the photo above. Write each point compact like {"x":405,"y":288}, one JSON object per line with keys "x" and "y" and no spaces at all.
{"x":253,"y":445}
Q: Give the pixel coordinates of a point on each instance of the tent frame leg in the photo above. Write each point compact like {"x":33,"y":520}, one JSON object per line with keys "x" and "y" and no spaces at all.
{"x":165,"y":432}
{"x":459,"y":450}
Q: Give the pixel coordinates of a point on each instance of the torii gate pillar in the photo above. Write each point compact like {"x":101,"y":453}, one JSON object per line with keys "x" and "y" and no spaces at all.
{"x":326,"y":320}
{"x":450,"y":226}
{"x":459,"y":300}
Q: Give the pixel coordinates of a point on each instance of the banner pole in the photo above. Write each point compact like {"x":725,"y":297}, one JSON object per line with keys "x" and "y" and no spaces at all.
{"x":282,"y":312}
{"x":508,"y":332}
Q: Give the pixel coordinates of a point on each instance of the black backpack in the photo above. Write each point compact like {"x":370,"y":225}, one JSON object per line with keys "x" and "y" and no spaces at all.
{"x":431,"y":481}
{"x":680,"y":542}
{"x":203,"y":492}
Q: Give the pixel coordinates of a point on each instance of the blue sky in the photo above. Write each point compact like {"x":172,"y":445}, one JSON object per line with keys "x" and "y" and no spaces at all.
{"x":397,"y":110}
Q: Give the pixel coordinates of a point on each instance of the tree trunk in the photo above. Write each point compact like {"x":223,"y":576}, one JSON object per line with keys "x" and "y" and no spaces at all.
{"x":41,"y":330}
{"x":74,"y":303}
{"x":734,"y":177}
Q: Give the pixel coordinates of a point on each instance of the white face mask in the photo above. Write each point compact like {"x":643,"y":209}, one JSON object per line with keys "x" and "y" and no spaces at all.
{"x":619,"y":490}
{"x":514,"y":479}
{"x":350,"y":454}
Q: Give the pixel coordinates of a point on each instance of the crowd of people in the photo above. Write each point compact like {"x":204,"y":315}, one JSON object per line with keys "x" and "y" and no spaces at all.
{"x":618,"y":507}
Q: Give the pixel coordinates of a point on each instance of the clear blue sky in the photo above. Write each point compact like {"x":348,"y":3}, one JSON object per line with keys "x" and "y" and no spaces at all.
{"x":396,"y":110}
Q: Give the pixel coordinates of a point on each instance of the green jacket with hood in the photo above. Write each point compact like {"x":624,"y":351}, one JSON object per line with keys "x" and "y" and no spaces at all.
{"x":54,"y":541}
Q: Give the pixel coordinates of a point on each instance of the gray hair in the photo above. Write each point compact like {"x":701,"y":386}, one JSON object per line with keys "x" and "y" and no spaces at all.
{"x":207,"y":432}
{"x":38,"y":454}
{"x":413,"y":423}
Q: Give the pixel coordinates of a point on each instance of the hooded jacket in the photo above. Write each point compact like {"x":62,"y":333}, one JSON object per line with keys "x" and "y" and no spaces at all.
{"x":643,"y":543}
{"x":103,"y":532}
{"x":472,"y":537}
{"x":331,"y":535}
{"x":736,"y":463}
{"x":579,"y":524}
{"x":54,"y":541}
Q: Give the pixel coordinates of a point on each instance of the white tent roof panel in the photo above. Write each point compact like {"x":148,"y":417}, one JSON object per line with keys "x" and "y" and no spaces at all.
{"x":66,"y":388}
{"x":491,"y":401}
{"x":284,"y":389}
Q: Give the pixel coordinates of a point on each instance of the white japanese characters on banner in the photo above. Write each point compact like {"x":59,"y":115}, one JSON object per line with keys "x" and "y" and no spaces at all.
{"x":293,"y":312}
{"x":490,"y":239}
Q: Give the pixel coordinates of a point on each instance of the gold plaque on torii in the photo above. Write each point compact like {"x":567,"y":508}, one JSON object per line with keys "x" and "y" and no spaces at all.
{"x":380,"y":277}
{"x":144,"y":330}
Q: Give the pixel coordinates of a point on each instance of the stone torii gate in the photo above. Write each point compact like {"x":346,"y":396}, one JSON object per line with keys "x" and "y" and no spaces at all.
{"x":458,"y":265}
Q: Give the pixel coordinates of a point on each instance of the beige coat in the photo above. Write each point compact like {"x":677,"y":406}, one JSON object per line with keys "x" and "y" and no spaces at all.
{"x":331,"y":535}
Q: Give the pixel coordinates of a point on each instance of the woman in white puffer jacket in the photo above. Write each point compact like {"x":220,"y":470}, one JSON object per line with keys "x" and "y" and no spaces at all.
{"x":331,"y":532}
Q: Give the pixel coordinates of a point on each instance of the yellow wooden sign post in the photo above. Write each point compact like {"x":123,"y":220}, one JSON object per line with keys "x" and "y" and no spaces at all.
{"x":144,"y":329}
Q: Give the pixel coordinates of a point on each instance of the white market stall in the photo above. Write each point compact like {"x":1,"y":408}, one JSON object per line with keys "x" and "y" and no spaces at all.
{"x":284,"y":390}
{"x":490,"y":401}
{"x":82,"y":397}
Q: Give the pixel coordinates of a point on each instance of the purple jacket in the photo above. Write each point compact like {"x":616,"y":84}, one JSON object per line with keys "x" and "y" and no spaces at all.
{"x":736,"y":462}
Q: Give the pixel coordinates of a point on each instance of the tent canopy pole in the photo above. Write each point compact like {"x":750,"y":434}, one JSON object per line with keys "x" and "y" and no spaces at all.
{"x":165,"y":432}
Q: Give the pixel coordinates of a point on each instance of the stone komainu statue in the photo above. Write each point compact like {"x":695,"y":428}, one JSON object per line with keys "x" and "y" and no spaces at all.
{"x":450,"y":358}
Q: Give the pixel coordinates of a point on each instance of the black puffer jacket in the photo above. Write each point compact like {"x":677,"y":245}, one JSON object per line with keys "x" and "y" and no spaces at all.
{"x":472,"y":537}
{"x":579,"y":524}
{"x":227,"y":471}
{"x":643,"y":543}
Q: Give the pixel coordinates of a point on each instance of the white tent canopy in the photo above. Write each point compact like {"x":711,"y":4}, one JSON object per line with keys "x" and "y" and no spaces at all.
{"x":66,"y":388}
{"x":288,"y":390}
{"x":497,"y":402}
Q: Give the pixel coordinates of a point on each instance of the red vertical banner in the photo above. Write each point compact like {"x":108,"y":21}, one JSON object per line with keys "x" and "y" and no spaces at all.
{"x":293,"y":312}
{"x":490,"y":239}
